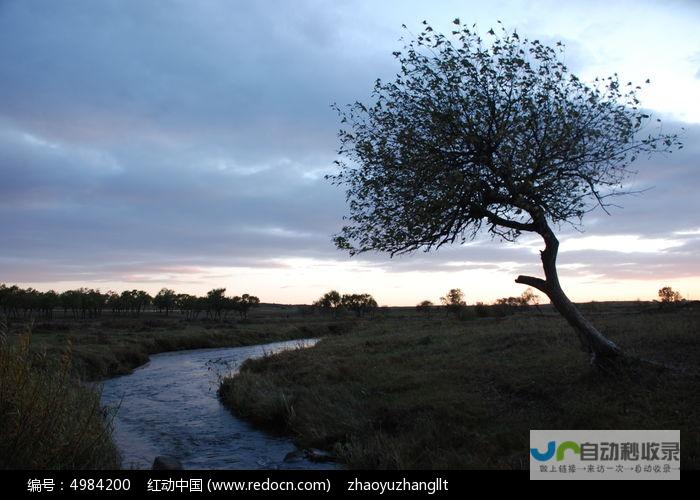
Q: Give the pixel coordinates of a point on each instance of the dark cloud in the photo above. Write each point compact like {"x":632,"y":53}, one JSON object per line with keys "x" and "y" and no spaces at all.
{"x":238,"y":75}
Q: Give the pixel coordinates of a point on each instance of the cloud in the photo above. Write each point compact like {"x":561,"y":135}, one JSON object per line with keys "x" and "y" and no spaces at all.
{"x":169,"y":140}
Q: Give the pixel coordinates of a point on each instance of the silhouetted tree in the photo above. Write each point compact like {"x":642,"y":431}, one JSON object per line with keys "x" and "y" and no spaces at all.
{"x":453,"y":300}
{"x":216,"y":302}
{"x":525,"y":299}
{"x":190,"y":305}
{"x":165,"y":300}
{"x":142,"y":300}
{"x":498,"y":136}
{"x":47,"y":302}
{"x":425,"y":306}
{"x":114,"y":302}
{"x":329,"y":301}
{"x":359,"y":303}
{"x":8,"y":300}
{"x":244,"y":303}
{"x":668,"y":295}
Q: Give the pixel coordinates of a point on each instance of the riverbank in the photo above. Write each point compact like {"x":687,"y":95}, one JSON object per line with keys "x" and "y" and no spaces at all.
{"x":417,"y":391}
{"x":48,"y":419}
{"x":170,"y":407}
{"x":115,"y":345}
{"x":45,"y":365}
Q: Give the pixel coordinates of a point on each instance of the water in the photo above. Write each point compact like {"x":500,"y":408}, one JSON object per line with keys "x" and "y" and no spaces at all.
{"x":170,"y":407}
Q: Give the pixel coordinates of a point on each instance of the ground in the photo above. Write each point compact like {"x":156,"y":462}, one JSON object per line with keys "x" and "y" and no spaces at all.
{"x":113,"y":345}
{"x":409,"y":390}
{"x":397,"y":389}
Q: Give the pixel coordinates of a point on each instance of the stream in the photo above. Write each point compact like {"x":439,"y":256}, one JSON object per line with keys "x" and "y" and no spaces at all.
{"x":170,"y":407}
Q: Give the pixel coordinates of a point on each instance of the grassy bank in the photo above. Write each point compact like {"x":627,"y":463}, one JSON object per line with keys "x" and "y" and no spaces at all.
{"x":408,"y":390}
{"x":115,"y":345}
{"x":48,"y":420}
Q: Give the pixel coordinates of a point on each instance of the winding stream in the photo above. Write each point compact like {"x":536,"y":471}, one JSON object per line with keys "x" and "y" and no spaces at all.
{"x":170,"y":407}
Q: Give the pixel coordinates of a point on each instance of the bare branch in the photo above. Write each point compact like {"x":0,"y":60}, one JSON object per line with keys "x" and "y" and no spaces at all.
{"x":537,"y":283}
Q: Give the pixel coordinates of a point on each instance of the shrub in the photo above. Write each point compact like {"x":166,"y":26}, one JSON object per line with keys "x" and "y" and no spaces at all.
{"x":48,"y":420}
{"x":464,"y":313}
{"x":481,"y":310}
{"x":425,"y":307}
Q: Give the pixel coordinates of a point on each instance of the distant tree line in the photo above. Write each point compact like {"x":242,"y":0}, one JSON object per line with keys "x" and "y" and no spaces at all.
{"x":83,"y":303}
{"x":453,"y":302}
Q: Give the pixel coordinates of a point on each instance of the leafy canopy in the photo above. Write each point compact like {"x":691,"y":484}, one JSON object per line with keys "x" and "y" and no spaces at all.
{"x":479,"y":133}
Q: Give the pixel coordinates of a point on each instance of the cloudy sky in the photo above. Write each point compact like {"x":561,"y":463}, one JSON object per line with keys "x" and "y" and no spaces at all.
{"x":183,"y":144}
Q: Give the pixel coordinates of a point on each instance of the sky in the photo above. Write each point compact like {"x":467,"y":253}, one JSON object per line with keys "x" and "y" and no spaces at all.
{"x":150,"y":143}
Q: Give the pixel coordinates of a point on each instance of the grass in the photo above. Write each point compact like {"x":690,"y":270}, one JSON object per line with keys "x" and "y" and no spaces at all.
{"x":115,"y":345}
{"x":409,"y":391}
{"x":398,"y":390}
{"x":48,"y":420}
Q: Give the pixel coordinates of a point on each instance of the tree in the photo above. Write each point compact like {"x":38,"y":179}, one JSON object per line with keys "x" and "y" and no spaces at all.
{"x":529,"y":297}
{"x":190,"y":305}
{"x":454,"y":300}
{"x":525,"y":299}
{"x":142,"y":299}
{"x":494,"y":135}
{"x":424,"y":306}
{"x":165,"y":300}
{"x":330,"y":301}
{"x":359,"y":303}
{"x":216,"y":302}
{"x":244,"y":303}
{"x":668,"y":295}
{"x":114,"y":302}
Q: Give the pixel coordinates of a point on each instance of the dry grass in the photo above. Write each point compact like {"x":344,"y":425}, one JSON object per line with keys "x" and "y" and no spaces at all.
{"x":115,"y":345}
{"x":48,"y":420}
{"x":409,"y":391}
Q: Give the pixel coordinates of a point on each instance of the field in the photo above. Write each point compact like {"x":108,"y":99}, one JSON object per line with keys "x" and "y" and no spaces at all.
{"x":410,"y":390}
{"x":113,"y":345}
{"x":398,"y":389}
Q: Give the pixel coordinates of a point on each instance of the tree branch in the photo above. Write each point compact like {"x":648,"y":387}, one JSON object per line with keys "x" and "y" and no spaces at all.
{"x":538,"y":283}
{"x":511,"y":224}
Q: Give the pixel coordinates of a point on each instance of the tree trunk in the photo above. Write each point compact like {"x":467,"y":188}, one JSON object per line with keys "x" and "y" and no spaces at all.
{"x":600,"y":348}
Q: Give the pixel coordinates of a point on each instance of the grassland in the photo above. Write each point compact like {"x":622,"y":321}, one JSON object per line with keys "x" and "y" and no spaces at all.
{"x":114,"y":345}
{"x":400,"y":389}
{"x":407,"y":390}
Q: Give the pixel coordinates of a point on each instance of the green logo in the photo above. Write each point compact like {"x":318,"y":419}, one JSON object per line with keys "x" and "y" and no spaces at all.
{"x":553,"y":449}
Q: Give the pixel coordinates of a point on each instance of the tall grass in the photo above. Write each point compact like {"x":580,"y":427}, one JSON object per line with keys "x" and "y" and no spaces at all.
{"x":415,"y":392}
{"x":48,"y":420}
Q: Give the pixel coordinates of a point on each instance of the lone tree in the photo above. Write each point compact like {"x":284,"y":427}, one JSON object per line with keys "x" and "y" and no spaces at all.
{"x":668,"y":295}
{"x":493,"y":135}
{"x":454,"y":300}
